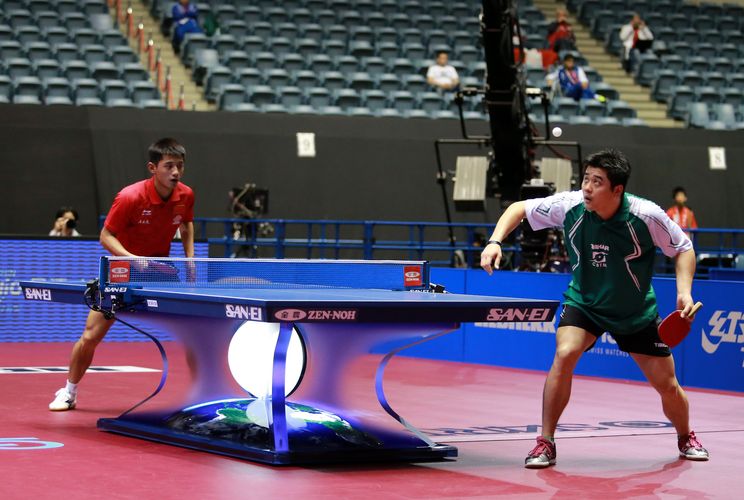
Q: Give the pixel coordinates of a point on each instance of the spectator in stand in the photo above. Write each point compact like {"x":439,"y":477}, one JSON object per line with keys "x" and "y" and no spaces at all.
{"x":573,"y":81}
{"x":636,"y":38}
{"x":185,"y":20}
{"x":680,"y":212}
{"x":65,"y":222}
{"x":442,"y":75}
{"x":560,"y":34}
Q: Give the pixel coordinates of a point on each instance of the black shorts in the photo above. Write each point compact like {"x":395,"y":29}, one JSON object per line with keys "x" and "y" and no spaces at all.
{"x":644,"y":341}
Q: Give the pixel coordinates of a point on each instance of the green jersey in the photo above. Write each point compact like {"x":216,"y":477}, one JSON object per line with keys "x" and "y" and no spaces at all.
{"x":611,"y":260}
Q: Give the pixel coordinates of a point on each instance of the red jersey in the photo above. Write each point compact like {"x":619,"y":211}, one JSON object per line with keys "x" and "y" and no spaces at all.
{"x":683,"y":216}
{"x":143,"y":222}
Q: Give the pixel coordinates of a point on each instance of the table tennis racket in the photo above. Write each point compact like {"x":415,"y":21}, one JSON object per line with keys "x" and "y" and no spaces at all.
{"x":674,"y":328}
{"x":163,"y":268}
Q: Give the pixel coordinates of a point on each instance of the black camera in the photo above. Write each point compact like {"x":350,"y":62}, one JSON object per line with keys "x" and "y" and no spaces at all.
{"x":71,"y":223}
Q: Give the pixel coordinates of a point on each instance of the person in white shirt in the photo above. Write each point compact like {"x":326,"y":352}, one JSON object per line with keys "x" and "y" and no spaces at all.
{"x":636,"y":37}
{"x":442,"y":75}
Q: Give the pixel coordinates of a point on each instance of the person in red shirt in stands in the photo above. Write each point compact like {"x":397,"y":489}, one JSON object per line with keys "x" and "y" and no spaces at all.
{"x":560,"y":34}
{"x":142,"y":222}
{"x":680,"y":212}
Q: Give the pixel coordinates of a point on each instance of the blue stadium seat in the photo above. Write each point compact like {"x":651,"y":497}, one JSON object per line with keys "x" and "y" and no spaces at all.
{"x":620,"y":109}
{"x":725,"y":113}
{"x":27,"y":85}
{"x":250,"y":14}
{"x":303,"y":109}
{"x":410,"y":35}
{"x":592,"y":108}
{"x":375,"y":19}
{"x":230,"y":96}
{"x":346,"y":98}
{"x":237,"y":28}
{"x":27,"y":34}
{"x":648,"y":65}
{"x":320,"y":63}
{"x":203,"y":60}
{"x":152,"y":104}
{"x":225,"y":12}
{"x":303,"y":78}
{"x":672,"y":62}
{"x":262,"y":29}
{"x":260,"y":95}
{"x":325,"y":17}
{"x":291,"y":96}
{"x":133,"y":72}
{"x":334,"y":48}
{"x":280,"y":45}
{"x":247,"y":76}
{"x":312,"y":31}
{"x":276,"y":77}
{"x":715,"y":79}
{"x":346,"y":64}
{"x":387,"y":50}
{"x":736,"y":79}
{"x":401,"y":66}
{"x":416,"y":83}
{"x":386,"y":35}
{"x":387,"y":82}
{"x":607,"y":91}
{"x":143,"y":91}
{"x":333,"y":80}
{"x":698,"y":115}
{"x":360,"y":81}
{"x":607,"y":120}
{"x":57,"y":87}
{"x":17,"y":67}
{"x":661,"y":86}
{"x":732,"y":96}
{"x":192,"y":42}
{"x":292,"y":62}
{"x":362,"y":34}
{"x":401,"y":100}
{"x":680,"y":98}
{"x":217,"y":77}
{"x":414,"y":50}
{"x":318,"y":97}
{"x":374,"y":99}
{"x":113,"y":89}
{"x":11,"y":49}
{"x":373,"y":65}
{"x":360,"y":49}
{"x":104,"y":70}
{"x":708,"y":95}
{"x":448,"y":24}
{"x":75,"y":69}
{"x":46,"y":68}
{"x":301,"y":16}
{"x":565,"y":106}
{"x":273,"y":108}
{"x":691,"y":78}
{"x":338,"y":32}
{"x":722,"y":64}
{"x":580,"y":120}
{"x":56,"y":35}
{"x":682,"y":49}
{"x":430,"y":101}
{"x":224,"y":43}
{"x":262,"y":60}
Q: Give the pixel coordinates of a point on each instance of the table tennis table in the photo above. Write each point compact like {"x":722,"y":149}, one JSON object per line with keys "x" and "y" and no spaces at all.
{"x":342,"y":311}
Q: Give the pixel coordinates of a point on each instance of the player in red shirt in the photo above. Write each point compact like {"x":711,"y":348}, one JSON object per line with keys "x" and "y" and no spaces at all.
{"x":142,"y":222}
{"x":680,"y":212}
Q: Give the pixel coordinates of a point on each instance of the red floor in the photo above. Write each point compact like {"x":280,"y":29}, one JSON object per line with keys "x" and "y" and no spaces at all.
{"x":615,"y":443}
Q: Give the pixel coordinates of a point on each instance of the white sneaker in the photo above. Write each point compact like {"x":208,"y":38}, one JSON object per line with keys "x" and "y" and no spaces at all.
{"x":63,"y":401}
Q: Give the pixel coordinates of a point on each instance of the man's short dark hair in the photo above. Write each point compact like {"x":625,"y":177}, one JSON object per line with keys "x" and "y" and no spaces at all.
{"x":568,"y":56}
{"x":165,"y":147}
{"x":440,"y":52}
{"x":614,"y":163}
{"x":63,"y":210}
{"x":678,"y":189}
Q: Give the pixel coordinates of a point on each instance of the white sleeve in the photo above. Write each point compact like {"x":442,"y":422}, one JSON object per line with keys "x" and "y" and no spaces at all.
{"x":582,"y":76}
{"x":625,"y":32}
{"x":430,"y":72}
{"x":646,"y":34}
{"x":551,"y":211}
{"x":665,"y":233}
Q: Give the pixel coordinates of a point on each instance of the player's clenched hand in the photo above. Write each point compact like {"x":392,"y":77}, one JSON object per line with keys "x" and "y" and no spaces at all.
{"x":491,"y":257}
{"x":684,"y":304}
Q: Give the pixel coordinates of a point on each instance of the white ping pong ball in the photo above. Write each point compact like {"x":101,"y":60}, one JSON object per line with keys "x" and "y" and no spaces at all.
{"x":557,"y":131}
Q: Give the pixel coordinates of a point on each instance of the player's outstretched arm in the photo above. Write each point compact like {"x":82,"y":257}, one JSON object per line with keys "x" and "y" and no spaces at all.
{"x":509,"y":220}
{"x":111,"y":243}
{"x":187,"y":238}
{"x":684,"y":266}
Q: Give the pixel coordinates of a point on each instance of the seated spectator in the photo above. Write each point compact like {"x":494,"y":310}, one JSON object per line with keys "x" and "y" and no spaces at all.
{"x":441,"y":75}
{"x":636,"y":38}
{"x":65,"y":222}
{"x":560,"y":34}
{"x":573,"y":81}
{"x":680,"y":212}
{"x":185,"y":16}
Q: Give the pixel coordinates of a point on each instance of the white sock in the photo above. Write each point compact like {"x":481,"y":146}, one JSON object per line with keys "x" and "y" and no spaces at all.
{"x":71,"y":388}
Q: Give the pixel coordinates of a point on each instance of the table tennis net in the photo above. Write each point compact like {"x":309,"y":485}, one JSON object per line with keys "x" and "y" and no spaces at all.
{"x":266,"y":273}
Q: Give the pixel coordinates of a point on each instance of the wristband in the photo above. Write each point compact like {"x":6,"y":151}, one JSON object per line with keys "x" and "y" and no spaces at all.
{"x":494,"y":242}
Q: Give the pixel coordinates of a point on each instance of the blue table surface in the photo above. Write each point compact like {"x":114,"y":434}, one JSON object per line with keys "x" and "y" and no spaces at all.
{"x":330,"y":295}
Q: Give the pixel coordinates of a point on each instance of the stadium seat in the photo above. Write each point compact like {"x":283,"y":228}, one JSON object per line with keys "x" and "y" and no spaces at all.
{"x":204,"y":59}
{"x":387,"y":50}
{"x":334,"y":48}
{"x":401,"y":66}
{"x":725,"y":113}
{"x":262,"y":29}
{"x":276,"y":77}
{"x":237,"y":28}
{"x":248,"y":76}
{"x":360,"y":81}
{"x":292,"y":62}
{"x":142,"y":91}
{"x":93,"y":54}
{"x":708,"y":95}
{"x":416,"y":83}
{"x":11,"y":49}
{"x":122,"y":55}
{"x":333,"y":80}
{"x":374,"y":99}
{"x":262,"y":60}
{"x":607,"y":91}
{"x":56,"y":35}
{"x":104,"y":70}
{"x":301,"y":16}
{"x":230,"y":96}
{"x":592,"y":108}
{"x":318,"y":97}
{"x":721,"y":64}
{"x":715,"y":79}
{"x":607,"y":120}
{"x":580,"y":120}
{"x":732,"y":96}
{"x":75,"y":69}
{"x":401,"y":100}
{"x":620,"y":109}
{"x":112,"y":38}
{"x":290,"y":96}
{"x":387,"y":82}
{"x":38,"y":50}
{"x":27,"y":85}
{"x":152,"y":104}
{"x":46,"y":68}
{"x":286,"y":30}
{"x":373,"y":65}
{"x":698,"y":115}
{"x":346,"y":64}
{"x":279,"y":45}
{"x":672,"y":62}
{"x":565,"y":106}
{"x":346,"y":98}
{"x":661,"y":86}
{"x":303,"y":109}
{"x":680,"y":97}
{"x":320,"y":63}
{"x":691,"y":78}
{"x":217,"y":77}
{"x":261,"y":94}
{"x":114,"y":89}
{"x":56,"y":87}
{"x":18,"y":67}
{"x":375,"y":19}
{"x":648,"y":65}
{"x":303,"y":78}
{"x":430,"y":101}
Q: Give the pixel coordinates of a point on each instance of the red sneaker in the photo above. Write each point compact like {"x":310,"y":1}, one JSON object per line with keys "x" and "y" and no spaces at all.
{"x":691,"y":449}
{"x":542,"y":455}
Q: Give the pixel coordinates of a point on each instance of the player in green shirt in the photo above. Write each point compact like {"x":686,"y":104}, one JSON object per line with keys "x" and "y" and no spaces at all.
{"x":611,"y":238}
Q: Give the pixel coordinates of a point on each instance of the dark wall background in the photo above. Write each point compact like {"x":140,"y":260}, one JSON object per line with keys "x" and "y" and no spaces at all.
{"x":365,"y":168}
